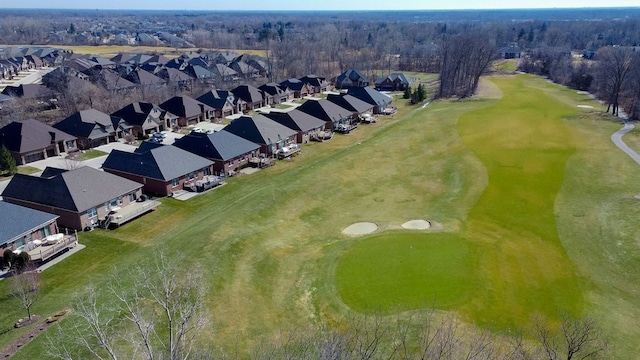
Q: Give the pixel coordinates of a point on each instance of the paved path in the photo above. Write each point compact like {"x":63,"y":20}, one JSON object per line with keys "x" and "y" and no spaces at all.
{"x":617,"y":139}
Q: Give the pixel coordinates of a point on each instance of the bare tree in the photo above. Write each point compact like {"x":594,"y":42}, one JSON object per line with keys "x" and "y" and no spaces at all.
{"x":573,"y":339}
{"x":25,"y":288}
{"x":464,"y":59}
{"x":612,"y":70}
{"x":158,"y":317}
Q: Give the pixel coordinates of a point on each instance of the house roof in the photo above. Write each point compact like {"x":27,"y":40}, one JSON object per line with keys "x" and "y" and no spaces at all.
{"x":30,"y":135}
{"x":217,"y":99}
{"x":248,"y":93}
{"x":223,"y":70}
{"x":402,"y":78}
{"x":144,"y":77}
{"x":259,"y":129}
{"x":171,"y":74}
{"x":197,"y":71}
{"x":28,"y":91}
{"x":314,"y":80}
{"x":350,"y":103}
{"x":221,"y":145}
{"x":293,"y":84}
{"x":325,"y":110}
{"x":297,"y":120}
{"x":351,"y":75}
{"x":137,"y":113}
{"x":370,"y":96}
{"x":272,"y":89}
{"x":185,"y":106}
{"x":163,"y":162}
{"x":17,"y":221}
{"x":76,"y":190}
{"x":90,"y":123}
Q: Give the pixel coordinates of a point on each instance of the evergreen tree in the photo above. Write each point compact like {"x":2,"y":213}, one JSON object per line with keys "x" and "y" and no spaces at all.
{"x":7,"y":162}
{"x":422,"y":93}
{"x":407,"y":93}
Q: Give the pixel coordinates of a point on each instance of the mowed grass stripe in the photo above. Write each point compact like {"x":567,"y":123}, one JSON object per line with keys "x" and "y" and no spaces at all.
{"x":524,"y":144}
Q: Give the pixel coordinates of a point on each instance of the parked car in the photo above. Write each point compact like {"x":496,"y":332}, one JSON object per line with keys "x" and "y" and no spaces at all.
{"x":158,"y":135}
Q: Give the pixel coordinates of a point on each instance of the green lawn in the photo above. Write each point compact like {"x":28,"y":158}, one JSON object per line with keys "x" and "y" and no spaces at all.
{"x":530,"y":192}
{"x":91,"y":154}
{"x":401,"y":271}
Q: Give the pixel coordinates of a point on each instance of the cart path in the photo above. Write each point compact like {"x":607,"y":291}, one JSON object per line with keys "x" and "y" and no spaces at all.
{"x":617,"y":139}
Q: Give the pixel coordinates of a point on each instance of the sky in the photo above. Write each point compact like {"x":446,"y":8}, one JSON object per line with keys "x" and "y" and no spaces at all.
{"x":312,"y":4}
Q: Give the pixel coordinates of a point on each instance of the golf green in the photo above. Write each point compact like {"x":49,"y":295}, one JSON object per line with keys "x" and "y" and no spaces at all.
{"x":406,"y":271}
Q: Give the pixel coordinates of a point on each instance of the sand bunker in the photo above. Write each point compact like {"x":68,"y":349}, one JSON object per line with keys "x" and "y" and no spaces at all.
{"x":585,"y":106}
{"x":417,"y":225}
{"x":583,"y":92}
{"x":361,"y":228}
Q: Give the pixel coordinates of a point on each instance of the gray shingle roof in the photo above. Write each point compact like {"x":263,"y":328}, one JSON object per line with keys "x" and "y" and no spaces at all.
{"x":16,"y":221}
{"x":185,"y":106}
{"x":221,"y":145}
{"x":75,"y":190}
{"x":90,"y":123}
{"x":350,"y":103}
{"x":325,"y":110}
{"x":259,"y":129}
{"x":297,"y":120}
{"x":30,"y":135}
{"x":164,"y":162}
{"x":370,"y":96}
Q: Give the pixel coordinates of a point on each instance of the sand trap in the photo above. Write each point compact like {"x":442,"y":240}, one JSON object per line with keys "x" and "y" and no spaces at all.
{"x":417,"y":225}
{"x":361,"y":228}
{"x":585,"y":106}
{"x":583,"y":92}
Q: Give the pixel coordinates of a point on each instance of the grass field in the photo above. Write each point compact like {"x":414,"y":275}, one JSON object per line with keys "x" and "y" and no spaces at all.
{"x":273,"y":251}
{"x":91,"y":154}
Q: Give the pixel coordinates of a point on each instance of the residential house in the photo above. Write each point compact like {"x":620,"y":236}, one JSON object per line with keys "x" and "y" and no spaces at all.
{"x":277,"y":93}
{"x":351,"y":78}
{"x":318,"y":84}
{"x":253,"y":96}
{"x":263,"y":131}
{"x":333,"y":115}
{"x":21,"y":226}
{"x":32,"y":140}
{"x":80,"y":197}
{"x":188,"y":110}
{"x":393,"y":82}
{"x":29,"y":91}
{"x":379,"y":100}
{"x":198,"y":72}
{"x":306,"y":126}
{"x":355,"y":105}
{"x":511,"y":51}
{"x":298,"y":88}
{"x":145,"y":118}
{"x":244,"y":70}
{"x":163,"y":169}
{"x":228,"y":151}
{"x":92,"y":128}
{"x":174,"y":76}
{"x":224,"y":72}
{"x":222,"y":102}
{"x":145,"y":78}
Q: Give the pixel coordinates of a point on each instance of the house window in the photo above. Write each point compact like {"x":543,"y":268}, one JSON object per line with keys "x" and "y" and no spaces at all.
{"x":206,"y":171}
{"x":93,"y":212}
{"x":175,"y":182}
{"x":114,"y":203}
{"x":106,"y":206}
{"x":44,"y":232}
{"x":132,"y":197}
{"x":71,"y":144}
{"x":192,"y":175}
{"x":120,"y":200}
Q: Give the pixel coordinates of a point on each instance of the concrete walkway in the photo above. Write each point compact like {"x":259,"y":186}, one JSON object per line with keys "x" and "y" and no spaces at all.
{"x":617,"y":139}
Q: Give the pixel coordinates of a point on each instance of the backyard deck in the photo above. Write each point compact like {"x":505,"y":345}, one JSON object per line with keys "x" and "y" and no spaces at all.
{"x":51,"y":248}
{"x":130,"y":212}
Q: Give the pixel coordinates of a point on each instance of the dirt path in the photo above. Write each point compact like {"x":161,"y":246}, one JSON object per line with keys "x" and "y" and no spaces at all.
{"x":617,"y":139}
